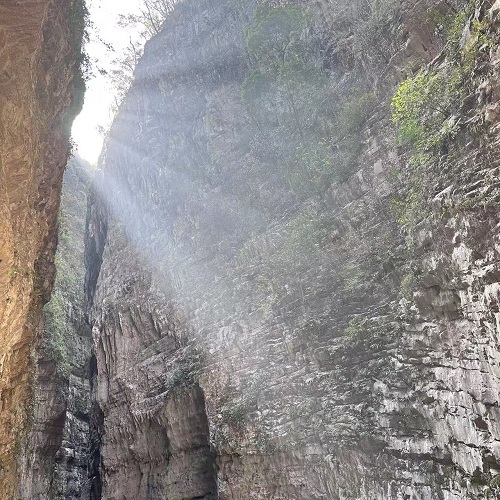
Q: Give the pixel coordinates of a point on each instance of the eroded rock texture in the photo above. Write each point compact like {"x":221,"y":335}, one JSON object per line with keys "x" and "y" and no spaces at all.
{"x":256,"y":334}
{"x":38,"y":71}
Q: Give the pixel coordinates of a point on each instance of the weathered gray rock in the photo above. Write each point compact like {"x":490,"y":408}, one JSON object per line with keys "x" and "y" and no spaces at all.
{"x":255,"y":332}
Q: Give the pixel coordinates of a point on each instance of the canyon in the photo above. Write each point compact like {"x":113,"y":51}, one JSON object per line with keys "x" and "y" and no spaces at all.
{"x":282,"y":281}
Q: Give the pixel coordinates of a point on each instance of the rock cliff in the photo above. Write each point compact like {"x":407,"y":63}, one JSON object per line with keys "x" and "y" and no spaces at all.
{"x":40,"y":93}
{"x":57,"y":461}
{"x":291,"y":295}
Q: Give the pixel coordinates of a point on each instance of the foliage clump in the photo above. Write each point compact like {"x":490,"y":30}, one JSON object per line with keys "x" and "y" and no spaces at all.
{"x":186,"y":370}
{"x":355,"y":329}
{"x":57,"y":332}
{"x":427,"y":108}
{"x":240,"y":403}
{"x":78,"y":29}
{"x":145,"y":24}
{"x":493,"y":489}
{"x":63,"y":315}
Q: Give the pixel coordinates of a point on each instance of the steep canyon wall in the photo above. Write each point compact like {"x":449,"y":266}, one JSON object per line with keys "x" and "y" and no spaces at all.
{"x":57,"y":445}
{"x":40,"y":93}
{"x":285,"y":303}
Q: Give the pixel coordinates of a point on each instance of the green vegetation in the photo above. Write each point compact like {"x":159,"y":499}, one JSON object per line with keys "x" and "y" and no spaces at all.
{"x":355,"y":112}
{"x":237,"y":407}
{"x":451,"y":28}
{"x":348,"y":142}
{"x":14,"y":271}
{"x":234,"y":412}
{"x":186,"y":370}
{"x":312,"y":139}
{"x":146,"y":24}
{"x":286,"y":94}
{"x":366,"y":31}
{"x":78,"y":26}
{"x":355,"y":329}
{"x":408,"y":284}
{"x":493,"y":489}
{"x":373,"y":35}
{"x":299,"y":247}
{"x":427,"y":109}
{"x":62,"y":314}
{"x":152,"y":14}
{"x":57,"y":332}
{"x":419,"y":107}
{"x":370,"y":329}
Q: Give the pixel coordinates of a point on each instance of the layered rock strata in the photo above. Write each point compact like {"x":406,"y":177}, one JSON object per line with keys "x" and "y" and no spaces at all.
{"x":255,"y":331}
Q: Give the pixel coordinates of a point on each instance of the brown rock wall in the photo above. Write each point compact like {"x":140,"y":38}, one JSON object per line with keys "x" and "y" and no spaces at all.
{"x":37,"y":72}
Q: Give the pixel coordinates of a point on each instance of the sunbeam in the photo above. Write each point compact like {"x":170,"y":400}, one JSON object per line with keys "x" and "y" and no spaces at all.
{"x":273,"y":271}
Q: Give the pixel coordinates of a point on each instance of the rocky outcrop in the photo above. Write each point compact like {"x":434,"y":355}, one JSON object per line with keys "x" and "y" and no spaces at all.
{"x":40,"y":94}
{"x":264,"y":326}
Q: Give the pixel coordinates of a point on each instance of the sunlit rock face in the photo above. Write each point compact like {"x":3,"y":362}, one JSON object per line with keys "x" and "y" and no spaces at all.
{"x":37,"y":103}
{"x":255,"y":334}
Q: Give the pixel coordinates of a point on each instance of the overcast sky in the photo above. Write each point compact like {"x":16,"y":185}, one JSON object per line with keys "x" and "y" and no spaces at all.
{"x":99,"y":96}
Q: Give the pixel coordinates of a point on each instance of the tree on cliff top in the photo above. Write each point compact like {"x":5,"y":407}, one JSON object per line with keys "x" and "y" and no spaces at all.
{"x":152,"y":14}
{"x":145,"y":24}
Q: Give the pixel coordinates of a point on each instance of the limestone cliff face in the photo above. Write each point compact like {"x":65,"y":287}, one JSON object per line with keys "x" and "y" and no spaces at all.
{"x":38,"y":78}
{"x":255,"y":331}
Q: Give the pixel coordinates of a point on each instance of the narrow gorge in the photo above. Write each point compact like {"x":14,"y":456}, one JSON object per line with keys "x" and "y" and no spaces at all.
{"x":282,"y":280}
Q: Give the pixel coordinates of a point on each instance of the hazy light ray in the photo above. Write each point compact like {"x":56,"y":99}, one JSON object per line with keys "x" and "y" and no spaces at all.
{"x":147,"y":237}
